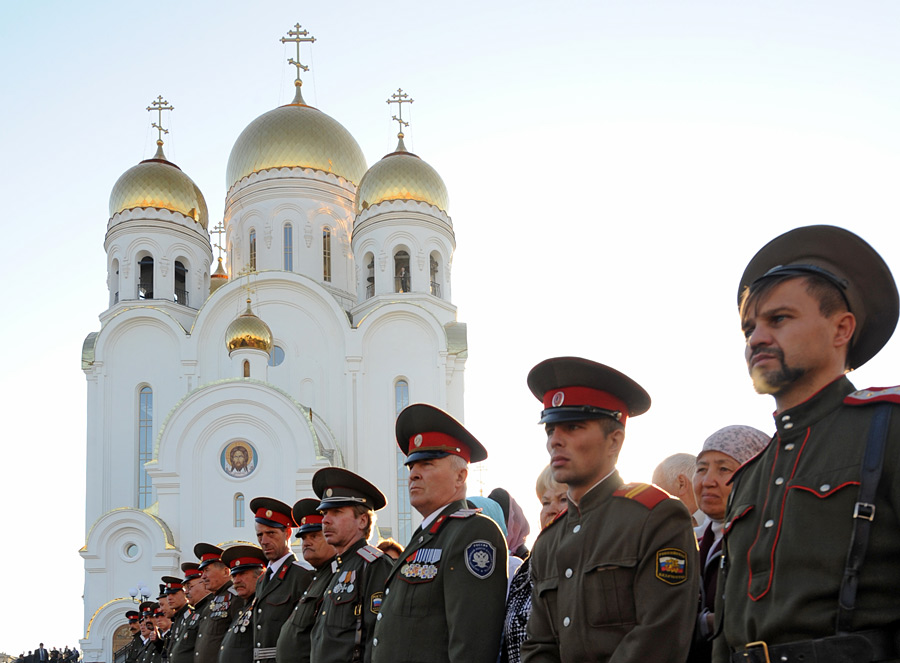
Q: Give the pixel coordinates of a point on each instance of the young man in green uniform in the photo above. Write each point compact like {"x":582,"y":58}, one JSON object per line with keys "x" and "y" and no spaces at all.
{"x":284,"y":580}
{"x":812,"y":533}
{"x":197,"y":596}
{"x":246,"y":564}
{"x":615,"y":576}
{"x":343,"y":629}
{"x":294,"y":642}
{"x":446,"y":595}
{"x":222,"y":607}
{"x":177,"y":608}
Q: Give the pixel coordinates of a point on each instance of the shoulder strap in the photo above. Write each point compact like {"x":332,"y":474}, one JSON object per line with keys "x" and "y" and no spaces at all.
{"x":863,"y":515}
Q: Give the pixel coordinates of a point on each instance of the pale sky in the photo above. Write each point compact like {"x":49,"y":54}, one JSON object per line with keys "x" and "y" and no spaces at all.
{"x":612,"y":167}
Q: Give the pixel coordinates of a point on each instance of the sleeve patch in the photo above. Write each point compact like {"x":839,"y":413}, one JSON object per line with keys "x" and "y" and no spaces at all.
{"x":375,"y":603}
{"x":874,"y":395}
{"x":671,"y":566}
{"x":481,"y":558}
{"x":643,"y":493}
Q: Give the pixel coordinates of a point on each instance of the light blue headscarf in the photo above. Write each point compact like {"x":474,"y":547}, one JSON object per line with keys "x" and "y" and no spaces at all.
{"x":491,"y":509}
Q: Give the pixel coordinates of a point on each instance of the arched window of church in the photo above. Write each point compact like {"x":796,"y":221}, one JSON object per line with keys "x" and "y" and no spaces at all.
{"x":434,"y":269}
{"x":326,"y":255}
{"x":369,"y":262}
{"x":253,"y":249}
{"x":145,"y":446}
{"x":288,"y":247}
{"x":239,"y":510}
{"x":114,"y":283}
{"x":246,"y":369}
{"x":181,"y":293}
{"x":401,"y":271}
{"x":145,"y":278}
{"x":404,"y":510}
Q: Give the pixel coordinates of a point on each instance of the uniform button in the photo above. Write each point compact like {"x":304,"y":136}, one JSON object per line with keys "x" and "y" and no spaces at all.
{"x":769,"y":523}
{"x":788,"y":426}
{"x":568,"y":573}
{"x":259,"y":611}
{"x":575,"y":530}
{"x":421,"y":538}
{"x":786,"y":417}
{"x":567,"y":621}
{"x":387,"y":591}
{"x":258,"y":626}
{"x":378,"y":618}
{"x":825,"y":487}
{"x":779,"y":481}
{"x":375,"y":641}
{"x":789,"y":446}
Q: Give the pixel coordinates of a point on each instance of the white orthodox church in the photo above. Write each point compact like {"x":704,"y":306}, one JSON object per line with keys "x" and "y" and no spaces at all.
{"x":208,"y":389}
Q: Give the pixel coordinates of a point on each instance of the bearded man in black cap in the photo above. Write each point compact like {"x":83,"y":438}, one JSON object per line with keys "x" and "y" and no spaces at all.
{"x":812,"y":532}
{"x":246,"y":564}
{"x":284,"y":580}
{"x":346,"y":621}
{"x":446,"y":595}
{"x":222,"y":607}
{"x":615,"y":576}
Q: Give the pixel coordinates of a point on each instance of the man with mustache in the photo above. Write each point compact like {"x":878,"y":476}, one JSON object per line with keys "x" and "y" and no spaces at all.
{"x":246,"y":564}
{"x":812,"y":535}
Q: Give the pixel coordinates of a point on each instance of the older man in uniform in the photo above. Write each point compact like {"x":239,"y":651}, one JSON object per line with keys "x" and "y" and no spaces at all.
{"x":223,"y":605}
{"x":812,"y":533}
{"x":284,"y":580}
{"x":446,"y":595}
{"x":294,"y":642}
{"x":343,"y":629}
{"x":197,"y":596}
{"x":135,"y":644}
{"x":615,"y":577}
{"x":246,"y":564}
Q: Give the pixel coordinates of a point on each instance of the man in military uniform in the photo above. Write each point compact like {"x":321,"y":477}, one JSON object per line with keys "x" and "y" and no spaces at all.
{"x":151,"y":652}
{"x":294,"y":639}
{"x":223,"y":605}
{"x":176,"y":608}
{"x":246,"y":564}
{"x":346,"y":621}
{"x":615,"y":577}
{"x":135,"y":644}
{"x":812,"y":534}
{"x":197,"y":596}
{"x":284,"y":580}
{"x":446,"y":595}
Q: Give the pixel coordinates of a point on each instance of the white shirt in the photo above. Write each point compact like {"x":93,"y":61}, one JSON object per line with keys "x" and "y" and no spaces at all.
{"x":273,"y":567}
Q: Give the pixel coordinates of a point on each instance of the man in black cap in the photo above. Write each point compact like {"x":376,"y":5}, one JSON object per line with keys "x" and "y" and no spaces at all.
{"x":176,"y":609}
{"x":247,"y":564}
{"x":615,"y":577}
{"x":223,"y":605}
{"x":812,"y":535}
{"x":186,"y":629}
{"x":346,"y":621}
{"x":446,"y":595}
{"x":284,"y":580}
{"x":294,"y":639}
{"x":152,"y":649}
{"x":135,"y":644}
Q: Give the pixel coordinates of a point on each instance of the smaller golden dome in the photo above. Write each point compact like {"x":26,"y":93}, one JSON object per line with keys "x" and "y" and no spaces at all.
{"x":401,"y":175}
{"x":248,"y":331}
{"x":160,"y":184}
{"x":218,"y":278}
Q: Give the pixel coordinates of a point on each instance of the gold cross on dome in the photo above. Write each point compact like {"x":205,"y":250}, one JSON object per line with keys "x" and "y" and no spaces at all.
{"x":297,"y":35}
{"x":159,"y":105}
{"x":400,"y":97}
{"x":218,"y":230}
{"x":248,"y":287}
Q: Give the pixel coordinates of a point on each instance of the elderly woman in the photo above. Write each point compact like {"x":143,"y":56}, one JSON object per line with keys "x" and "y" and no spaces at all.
{"x":723,"y":453}
{"x":518,"y":602}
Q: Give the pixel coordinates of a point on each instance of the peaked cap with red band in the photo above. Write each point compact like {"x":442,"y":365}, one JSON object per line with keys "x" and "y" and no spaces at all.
{"x":172,"y":585}
{"x":207,"y":554}
{"x":271,"y":512}
{"x":306,"y":515}
{"x":240,"y":558}
{"x":846,"y":261}
{"x":191,"y":570}
{"x":148,"y":609}
{"x":337,"y":487}
{"x":576,"y":389}
{"x":426,"y":432}
{"x":132,"y":616}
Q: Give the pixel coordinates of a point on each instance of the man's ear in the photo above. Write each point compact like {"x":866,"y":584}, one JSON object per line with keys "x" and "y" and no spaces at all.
{"x":616,"y":439}
{"x":844,"y":327}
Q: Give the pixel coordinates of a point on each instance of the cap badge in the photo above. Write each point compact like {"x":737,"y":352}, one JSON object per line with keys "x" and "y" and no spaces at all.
{"x":417,"y":440}
{"x":269,"y":513}
{"x":329,"y":492}
{"x":558,"y":399}
{"x":303,"y":520}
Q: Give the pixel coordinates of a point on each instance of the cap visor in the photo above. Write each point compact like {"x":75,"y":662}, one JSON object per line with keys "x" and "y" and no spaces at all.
{"x":416,"y":456}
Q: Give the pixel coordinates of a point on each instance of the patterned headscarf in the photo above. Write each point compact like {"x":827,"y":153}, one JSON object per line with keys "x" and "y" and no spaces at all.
{"x":740,"y":442}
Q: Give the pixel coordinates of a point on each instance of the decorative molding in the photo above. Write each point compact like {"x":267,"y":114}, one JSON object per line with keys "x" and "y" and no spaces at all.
{"x":382,"y":260}
{"x":163,"y":266}
{"x":125,"y":267}
{"x":420,"y":257}
{"x":267,"y":234}
{"x":307,"y":234}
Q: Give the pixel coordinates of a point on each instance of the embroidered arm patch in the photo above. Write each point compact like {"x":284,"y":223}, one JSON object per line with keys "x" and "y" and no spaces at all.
{"x":481,"y":559}
{"x":671,"y":566}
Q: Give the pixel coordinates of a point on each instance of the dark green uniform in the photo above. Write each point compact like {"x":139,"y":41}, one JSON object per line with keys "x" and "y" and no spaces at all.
{"x":182,"y":649}
{"x":152,"y":651}
{"x":789,"y":520}
{"x":446,"y":595}
{"x":237,"y":645}
{"x":294,"y":639}
{"x":217,"y":616}
{"x":615,"y":579}
{"x":133,"y":649}
{"x":275,"y":602}
{"x":351,"y":603}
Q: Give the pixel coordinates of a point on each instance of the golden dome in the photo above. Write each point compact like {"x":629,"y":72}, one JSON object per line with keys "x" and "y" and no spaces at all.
{"x":160,"y":184}
{"x":401,"y":175}
{"x":248,"y":331}
{"x":296,"y":135}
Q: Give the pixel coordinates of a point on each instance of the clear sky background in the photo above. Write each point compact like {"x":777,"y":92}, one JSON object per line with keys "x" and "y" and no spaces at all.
{"x":612,"y":167}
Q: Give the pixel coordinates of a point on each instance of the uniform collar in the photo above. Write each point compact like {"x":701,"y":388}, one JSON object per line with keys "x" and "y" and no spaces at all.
{"x":599,"y":492}
{"x":273,"y":567}
{"x":356,"y":545}
{"x":823,"y":402}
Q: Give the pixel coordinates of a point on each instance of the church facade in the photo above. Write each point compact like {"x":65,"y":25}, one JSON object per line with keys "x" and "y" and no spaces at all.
{"x":207,"y":388}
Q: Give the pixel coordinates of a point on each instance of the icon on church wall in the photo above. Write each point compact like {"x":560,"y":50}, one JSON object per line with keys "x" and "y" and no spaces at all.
{"x":239,"y":459}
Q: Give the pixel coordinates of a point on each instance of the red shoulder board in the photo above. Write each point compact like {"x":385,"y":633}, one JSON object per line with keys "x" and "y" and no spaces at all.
{"x":437,"y":524}
{"x":643,"y":493}
{"x":874,"y":395}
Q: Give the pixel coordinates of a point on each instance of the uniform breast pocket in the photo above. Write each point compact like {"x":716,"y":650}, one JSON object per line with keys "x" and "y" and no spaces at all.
{"x":547,"y":591}
{"x":609,"y":592}
{"x":823,"y":497}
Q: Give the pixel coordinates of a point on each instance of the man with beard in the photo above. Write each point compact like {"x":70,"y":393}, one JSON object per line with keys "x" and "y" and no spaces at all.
{"x":284,"y":580}
{"x":812,"y":532}
{"x":222,"y":607}
{"x":197,"y":596}
{"x":246,"y":564}
{"x":294,"y":639}
{"x":151,"y":652}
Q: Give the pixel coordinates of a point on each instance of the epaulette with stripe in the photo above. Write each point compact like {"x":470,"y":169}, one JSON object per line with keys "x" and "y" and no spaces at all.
{"x":643,"y":493}
{"x":369,"y":553}
{"x":874,"y":395}
{"x":465,"y":513}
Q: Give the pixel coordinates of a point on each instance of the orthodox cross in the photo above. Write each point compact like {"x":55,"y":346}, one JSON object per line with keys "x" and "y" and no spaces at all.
{"x":218,"y":230}
{"x":246,"y":271}
{"x":159,"y":105}
{"x":400,"y":97}
{"x":297,"y":35}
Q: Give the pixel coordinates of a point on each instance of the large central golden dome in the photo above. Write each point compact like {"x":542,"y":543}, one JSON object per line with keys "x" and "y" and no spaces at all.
{"x":296,"y":135}
{"x":401,"y":175}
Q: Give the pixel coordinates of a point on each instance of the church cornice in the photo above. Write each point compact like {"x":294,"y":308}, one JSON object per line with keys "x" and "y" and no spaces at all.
{"x":295,"y":173}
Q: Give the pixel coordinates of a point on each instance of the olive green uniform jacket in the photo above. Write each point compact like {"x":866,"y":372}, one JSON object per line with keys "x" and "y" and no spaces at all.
{"x":152,"y":651}
{"x":615,"y":579}
{"x":789,"y":520}
{"x":217,"y":616}
{"x":237,"y":645}
{"x":275,"y":601}
{"x":351,"y":602}
{"x":182,"y":649}
{"x":134,"y":649}
{"x":294,"y":640}
{"x":446,"y":595}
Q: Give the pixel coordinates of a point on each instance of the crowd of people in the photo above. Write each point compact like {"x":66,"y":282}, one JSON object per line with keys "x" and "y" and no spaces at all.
{"x":53,"y":655}
{"x":755,"y":548}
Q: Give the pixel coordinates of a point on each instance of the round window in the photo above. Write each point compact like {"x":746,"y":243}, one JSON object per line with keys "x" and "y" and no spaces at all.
{"x":132,"y":550}
{"x":276,"y":357}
